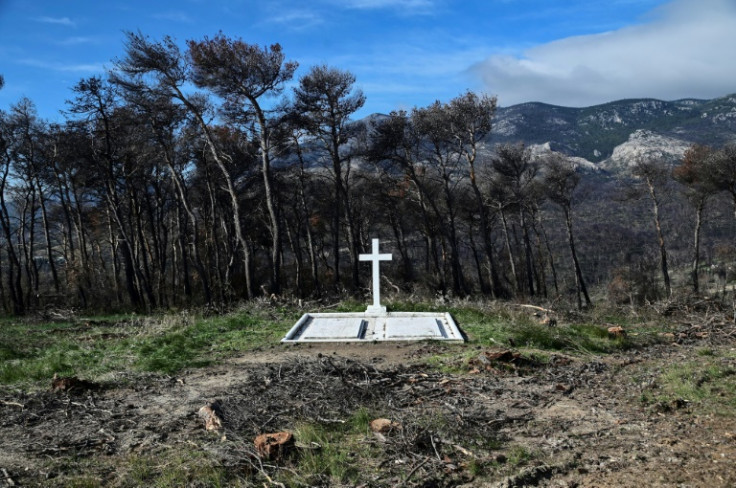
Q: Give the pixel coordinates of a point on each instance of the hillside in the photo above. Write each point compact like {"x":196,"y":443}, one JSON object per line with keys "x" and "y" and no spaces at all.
{"x":612,"y":133}
{"x":129,"y":401}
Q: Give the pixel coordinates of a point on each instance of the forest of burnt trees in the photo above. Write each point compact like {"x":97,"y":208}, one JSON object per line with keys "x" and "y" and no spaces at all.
{"x":192,"y":178}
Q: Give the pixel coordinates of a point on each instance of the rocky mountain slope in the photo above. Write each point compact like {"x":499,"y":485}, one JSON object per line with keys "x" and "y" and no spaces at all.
{"x":612,"y":135}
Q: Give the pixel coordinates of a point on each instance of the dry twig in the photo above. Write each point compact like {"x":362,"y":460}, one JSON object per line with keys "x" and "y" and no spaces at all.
{"x":13,"y":404}
{"x":416,"y":468}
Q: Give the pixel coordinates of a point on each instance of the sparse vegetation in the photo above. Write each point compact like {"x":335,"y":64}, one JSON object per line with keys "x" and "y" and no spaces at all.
{"x":519,"y":455}
{"x":519,"y":401}
{"x":705,"y":386}
{"x":32,"y":352}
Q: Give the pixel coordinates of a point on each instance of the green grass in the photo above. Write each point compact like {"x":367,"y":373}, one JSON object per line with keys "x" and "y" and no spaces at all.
{"x":82,"y":482}
{"x":177,"y":469}
{"x":334,"y":457}
{"x":707,"y":385}
{"x":332,"y":454}
{"x":504,"y":326}
{"x":348,"y":306}
{"x":361,"y":419}
{"x":168,"y":467}
{"x":31,"y":353}
{"x":706,"y":351}
{"x":519,"y":455}
{"x":413,"y":306}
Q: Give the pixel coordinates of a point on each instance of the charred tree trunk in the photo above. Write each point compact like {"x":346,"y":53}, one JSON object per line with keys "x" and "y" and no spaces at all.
{"x":660,"y":237}
{"x":696,"y":244}
{"x":275,"y":228}
{"x":14,"y":267}
{"x":47,"y":237}
{"x":528,"y":258}
{"x":579,"y":281}
{"x":507,"y":241}
{"x":497,"y":288}
{"x":235,"y":203}
{"x":484,"y":288}
{"x":551,"y":256}
{"x":114,"y":257}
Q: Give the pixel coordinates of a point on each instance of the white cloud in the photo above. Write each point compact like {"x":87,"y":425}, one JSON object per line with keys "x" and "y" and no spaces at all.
{"x":372,"y":4}
{"x":411,"y":62}
{"x":69,"y":68}
{"x":174,"y":16}
{"x":406,"y":6}
{"x":75,"y":41}
{"x":684,"y":49}
{"x":82,"y":68}
{"x":297,"y":19}
{"x":56,"y":20}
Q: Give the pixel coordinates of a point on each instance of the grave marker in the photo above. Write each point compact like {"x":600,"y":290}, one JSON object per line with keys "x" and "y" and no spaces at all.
{"x":376,"y":258}
{"x":375,"y":324}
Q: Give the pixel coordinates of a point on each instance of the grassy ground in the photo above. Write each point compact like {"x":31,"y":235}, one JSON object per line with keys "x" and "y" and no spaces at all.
{"x":31,"y":352}
{"x":704,"y":385}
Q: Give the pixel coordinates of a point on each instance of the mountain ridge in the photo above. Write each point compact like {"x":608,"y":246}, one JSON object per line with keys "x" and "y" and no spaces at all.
{"x":609,"y":133}
{"x":613,"y":135}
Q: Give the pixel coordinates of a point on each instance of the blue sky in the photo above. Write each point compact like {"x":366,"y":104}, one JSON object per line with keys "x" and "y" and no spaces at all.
{"x":404,"y":53}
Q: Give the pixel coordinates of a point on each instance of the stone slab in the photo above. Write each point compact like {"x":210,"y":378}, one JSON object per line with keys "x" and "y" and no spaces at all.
{"x":370,"y":327}
{"x":412,"y":327}
{"x":335,"y":328}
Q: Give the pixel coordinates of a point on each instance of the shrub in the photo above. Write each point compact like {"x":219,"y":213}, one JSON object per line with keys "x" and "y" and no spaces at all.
{"x":635,"y":284}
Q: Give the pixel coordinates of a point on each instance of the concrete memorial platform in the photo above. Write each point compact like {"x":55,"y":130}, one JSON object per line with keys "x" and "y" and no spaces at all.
{"x":375,"y":324}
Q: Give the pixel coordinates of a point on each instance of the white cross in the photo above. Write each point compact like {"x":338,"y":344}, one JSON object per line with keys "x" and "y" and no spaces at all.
{"x":376,"y":258}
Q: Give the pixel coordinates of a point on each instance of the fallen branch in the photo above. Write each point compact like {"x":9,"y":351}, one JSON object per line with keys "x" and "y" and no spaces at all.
{"x":287,"y":410}
{"x":331,"y":421}
{"x":545,"y":310}
{"x":259,"y":467}
{"x":8,"y":480}
{"x":463,"y":450}
{"x":414,"y":470}
{"x":13,"y":404}
{"x":431,"y":439}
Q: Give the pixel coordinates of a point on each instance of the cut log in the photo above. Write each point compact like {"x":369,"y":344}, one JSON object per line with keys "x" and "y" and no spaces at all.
{"x":616,"y":331}
{"x":502,"y":356}
{"x":274,"y":446}
{"x":384,"y":426}
{"x":67,"y":383}
{"x":211,"y":416}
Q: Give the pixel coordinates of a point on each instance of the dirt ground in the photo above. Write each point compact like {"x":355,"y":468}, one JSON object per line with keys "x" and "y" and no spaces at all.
{"x":494,"y":420}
